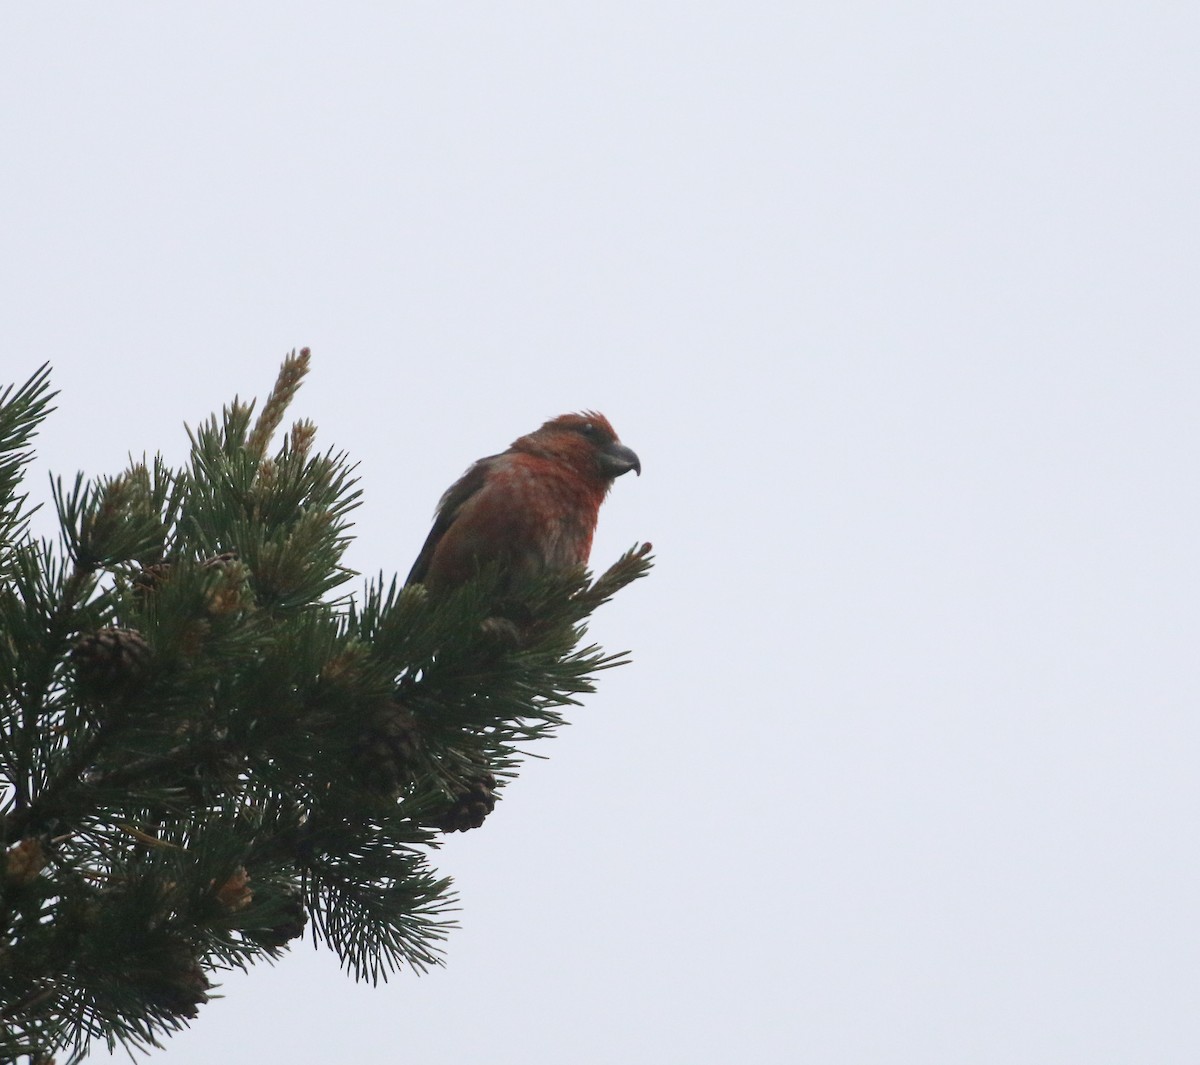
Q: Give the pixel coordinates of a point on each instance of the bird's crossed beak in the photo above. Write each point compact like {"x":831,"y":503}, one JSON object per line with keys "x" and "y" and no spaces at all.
{"x":616,"y":459}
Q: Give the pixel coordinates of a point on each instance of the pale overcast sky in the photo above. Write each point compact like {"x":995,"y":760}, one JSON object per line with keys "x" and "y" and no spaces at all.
{"x":898,"y":305}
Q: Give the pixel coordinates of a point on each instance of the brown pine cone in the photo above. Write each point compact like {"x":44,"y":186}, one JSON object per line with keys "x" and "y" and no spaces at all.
{"x":110,"y":661}
{"x":23,"y":861}
{"x":386,"y":750}
{"x":235,"y":894}
{"x":468,"y":808}
{"x":150,"y":578}
{"x":290,"y":927}
{"x":178,"y":985}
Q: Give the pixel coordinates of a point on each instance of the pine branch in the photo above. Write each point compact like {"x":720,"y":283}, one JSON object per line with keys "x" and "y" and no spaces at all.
{"x":21,"y":412}
{"x":291,"y":376}
{"x":634,"y":564}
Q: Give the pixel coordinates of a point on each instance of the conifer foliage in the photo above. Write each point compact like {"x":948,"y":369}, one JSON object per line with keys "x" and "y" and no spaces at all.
{"x":207,"y":749}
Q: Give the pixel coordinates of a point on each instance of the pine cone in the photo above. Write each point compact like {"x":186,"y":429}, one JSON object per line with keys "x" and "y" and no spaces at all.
{"x":231,"y":592}
{"x":289,"y":928}
{"x":468,"y":808}
{"x":23,"y":861}
{"x":179,"y":986}
{"x":386,"y":750}
{"x":235,"y":894}
{"x":110,"y":661}
{"x":150,"y":578}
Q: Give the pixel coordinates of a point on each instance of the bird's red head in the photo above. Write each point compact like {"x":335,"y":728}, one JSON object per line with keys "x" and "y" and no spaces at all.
{"x":586,"y":442}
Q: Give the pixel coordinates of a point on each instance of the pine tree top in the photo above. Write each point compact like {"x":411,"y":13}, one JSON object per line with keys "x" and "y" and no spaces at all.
{"x":208,"y":746}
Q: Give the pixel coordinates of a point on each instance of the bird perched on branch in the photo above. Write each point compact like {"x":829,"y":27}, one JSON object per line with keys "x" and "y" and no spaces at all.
{"x":531,"y":509}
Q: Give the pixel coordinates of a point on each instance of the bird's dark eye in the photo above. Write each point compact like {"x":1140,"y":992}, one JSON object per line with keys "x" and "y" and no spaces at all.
{"x":592,"y":432}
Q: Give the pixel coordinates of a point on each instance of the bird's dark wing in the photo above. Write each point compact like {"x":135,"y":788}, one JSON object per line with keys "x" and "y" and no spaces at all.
{"x":447,"y":510}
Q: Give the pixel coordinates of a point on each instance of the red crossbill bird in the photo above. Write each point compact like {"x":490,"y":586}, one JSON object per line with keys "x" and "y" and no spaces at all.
{"x":531,"y":509}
